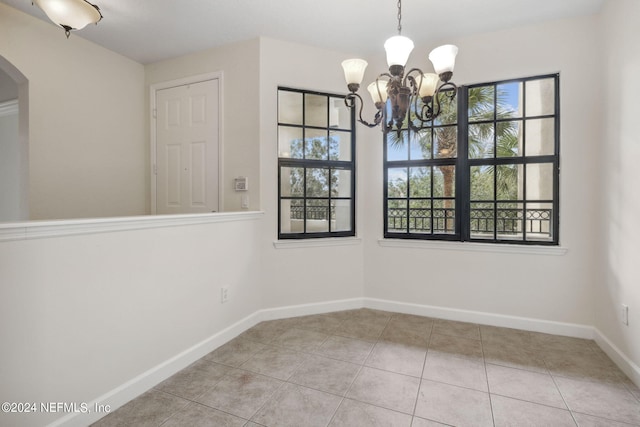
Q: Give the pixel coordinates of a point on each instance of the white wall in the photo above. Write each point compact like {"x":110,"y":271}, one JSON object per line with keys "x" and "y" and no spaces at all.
{"x":88,"y":152}
{"x":546,"y":287}
{"x":239,"y":63}
{"x":619,"y":151}
{"x":295,"y":275}
{"x":81,"y":316}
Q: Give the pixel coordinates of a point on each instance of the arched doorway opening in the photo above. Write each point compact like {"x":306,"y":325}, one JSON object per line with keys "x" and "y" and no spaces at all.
{"x":14,"y":143}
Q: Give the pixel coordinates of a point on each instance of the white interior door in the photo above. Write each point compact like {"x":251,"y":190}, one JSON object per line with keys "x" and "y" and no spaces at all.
{"x":187,"y":147}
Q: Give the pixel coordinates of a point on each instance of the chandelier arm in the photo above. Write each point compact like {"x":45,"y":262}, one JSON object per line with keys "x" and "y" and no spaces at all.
{"x":432,"y":109}
{"x":423,"y":114}
{"x":384,"y":75}
{"x":449,"y":85}
{"x":386,"y":128}
{"x":408,"y":77}
{"x":414,"y":127}
{"x":378,"y":86}
{"x":436,"y":98}
{"x":350,"y":102}
{"x":427,"y":114}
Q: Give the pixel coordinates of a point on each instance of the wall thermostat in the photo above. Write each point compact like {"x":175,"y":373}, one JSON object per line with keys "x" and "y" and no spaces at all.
{"x":240,"y":183}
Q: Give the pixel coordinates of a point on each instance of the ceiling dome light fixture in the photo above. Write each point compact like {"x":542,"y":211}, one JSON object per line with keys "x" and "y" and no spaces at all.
{"x":413,"y":97}
{"x":71,"y":15}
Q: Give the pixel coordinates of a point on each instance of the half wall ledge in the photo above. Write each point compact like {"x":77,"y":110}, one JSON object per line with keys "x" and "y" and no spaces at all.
{"x":72,"y":227}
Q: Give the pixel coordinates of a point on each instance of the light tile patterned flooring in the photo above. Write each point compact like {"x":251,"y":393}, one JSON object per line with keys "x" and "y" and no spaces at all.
{"x":374,"y":368}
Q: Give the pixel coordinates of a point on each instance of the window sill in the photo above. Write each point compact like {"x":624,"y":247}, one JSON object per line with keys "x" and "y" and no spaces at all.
{"x":474,"y":247}
{"x":316,"y":243}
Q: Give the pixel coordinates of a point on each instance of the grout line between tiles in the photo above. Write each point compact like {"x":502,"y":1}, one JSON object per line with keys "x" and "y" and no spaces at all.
{"x":486,"y":375}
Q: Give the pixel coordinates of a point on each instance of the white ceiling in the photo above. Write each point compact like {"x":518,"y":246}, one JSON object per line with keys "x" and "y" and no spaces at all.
{"x":151,"y":30}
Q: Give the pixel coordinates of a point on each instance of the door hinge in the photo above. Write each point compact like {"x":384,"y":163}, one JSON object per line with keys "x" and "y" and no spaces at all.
{"x":155,"y":169}
{"x":155,"y":113}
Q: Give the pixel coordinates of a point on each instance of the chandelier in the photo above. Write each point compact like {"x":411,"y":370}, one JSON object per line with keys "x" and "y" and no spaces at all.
{"x":413,"y":97}
{"x":70,"y":14}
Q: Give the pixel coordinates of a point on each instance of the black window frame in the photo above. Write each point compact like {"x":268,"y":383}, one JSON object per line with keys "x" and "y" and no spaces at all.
{"x":288,"y":162}
{"x":461,"y":222}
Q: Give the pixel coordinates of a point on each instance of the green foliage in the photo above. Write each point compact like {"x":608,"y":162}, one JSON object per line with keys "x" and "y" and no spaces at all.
{"x":318,"y":180}
{"x":485,"y":105}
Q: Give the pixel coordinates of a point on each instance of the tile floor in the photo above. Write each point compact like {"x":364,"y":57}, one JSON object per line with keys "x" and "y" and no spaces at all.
{"x":374,"y":368}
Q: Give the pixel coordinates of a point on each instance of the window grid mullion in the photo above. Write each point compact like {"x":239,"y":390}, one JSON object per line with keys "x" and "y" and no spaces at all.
{"x":408,"y":200}
{"x":463,"y":221}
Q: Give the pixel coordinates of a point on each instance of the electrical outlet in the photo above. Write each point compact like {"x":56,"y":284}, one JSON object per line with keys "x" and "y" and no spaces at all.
{"x":224,"y":294}
{"x":625,"y":314}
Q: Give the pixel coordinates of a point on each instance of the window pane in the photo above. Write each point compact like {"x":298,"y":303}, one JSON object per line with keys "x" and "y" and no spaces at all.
{"x":340,"y":183}
{"x":317,"y":182}
{"x":315,"y":144}
{"x":397,"y":215}
{"x":540,"y":97}
{"x":339,"y":114}
{"x":509,"y":139}
{"x":316,"y":109}
{"x":289,"y":107}
{"x":540,"y":181}
{"x":509,"y":98}
{"x":397,"y":147}
{"x":481,"y":220}
{"x":481,"y":103}
{"x":539,"y":221}
{"x":540,"y":137}
{"x":289,"y":142}
{"x":291,"y":216}
{"x":446,"y":142}
{"x":420,"y":216}
{"x":341,"y":218}
{"x":444,"y":216}
{"x":317,"y":220}
{"x":420,"y":182}
{"x":509,"y":221}
{"x":481,"y":141}
{"x":397,"y":182}
{"x":420,"y":147}
{"x":339,"y":146}
{"x":444,"y":181}
{"x":509,"y":182}
{"x":292,"y":182}
{"x":482,"y":183}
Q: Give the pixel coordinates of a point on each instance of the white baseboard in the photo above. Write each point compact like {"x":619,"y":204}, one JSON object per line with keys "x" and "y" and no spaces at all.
{"x":619,"y":358}
{"x":483,"y":318}
{"x":138,"y":385}
{"x":308,"y":309}
{"x":145,"y":381}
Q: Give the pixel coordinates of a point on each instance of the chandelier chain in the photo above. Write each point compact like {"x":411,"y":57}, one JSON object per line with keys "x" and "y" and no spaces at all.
{"x":399,"y":17}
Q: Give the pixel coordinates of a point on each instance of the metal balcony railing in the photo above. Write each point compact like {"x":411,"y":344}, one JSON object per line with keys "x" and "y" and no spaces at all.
{"x":314,"y":212}
{"x":483,"y":221}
